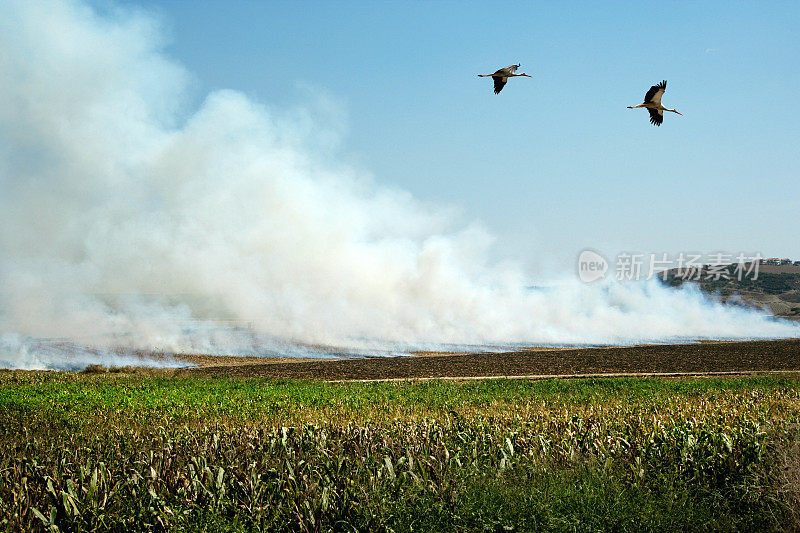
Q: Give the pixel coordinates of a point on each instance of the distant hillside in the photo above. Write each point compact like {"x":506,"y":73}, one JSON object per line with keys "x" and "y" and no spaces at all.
{"x":775,"y":287}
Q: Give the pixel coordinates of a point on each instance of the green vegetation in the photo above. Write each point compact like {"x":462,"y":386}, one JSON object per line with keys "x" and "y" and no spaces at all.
{"x":148,"y":452}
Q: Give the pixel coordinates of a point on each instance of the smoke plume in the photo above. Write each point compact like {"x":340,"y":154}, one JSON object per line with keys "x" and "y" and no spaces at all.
{"x":129,"y":221}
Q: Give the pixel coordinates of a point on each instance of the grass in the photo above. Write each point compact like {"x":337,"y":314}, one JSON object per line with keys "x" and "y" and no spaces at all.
{"x":145,"y":452}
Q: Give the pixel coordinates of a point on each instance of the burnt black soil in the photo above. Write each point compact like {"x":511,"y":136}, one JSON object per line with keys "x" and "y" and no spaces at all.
{"x":710,"y":357}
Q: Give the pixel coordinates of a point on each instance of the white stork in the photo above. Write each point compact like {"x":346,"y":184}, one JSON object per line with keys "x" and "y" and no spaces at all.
{"x":652,"y":101}
{"x":501,"y":77}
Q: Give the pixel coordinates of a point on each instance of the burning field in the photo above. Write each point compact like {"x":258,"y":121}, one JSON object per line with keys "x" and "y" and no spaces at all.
{"x":697,"y":436}
{"x":707,"y":358}
{"x":220,"y":228}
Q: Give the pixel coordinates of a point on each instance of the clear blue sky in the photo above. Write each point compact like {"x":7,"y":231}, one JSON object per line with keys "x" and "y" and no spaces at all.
{"x":556,"y":163}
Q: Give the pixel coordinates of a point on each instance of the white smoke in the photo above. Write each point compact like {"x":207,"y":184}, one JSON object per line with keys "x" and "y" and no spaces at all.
{"x":30,"y":354}
{"x":126,"y":221}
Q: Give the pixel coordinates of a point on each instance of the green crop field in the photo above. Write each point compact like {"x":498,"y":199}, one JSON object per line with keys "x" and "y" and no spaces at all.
{"x":131,"y":452}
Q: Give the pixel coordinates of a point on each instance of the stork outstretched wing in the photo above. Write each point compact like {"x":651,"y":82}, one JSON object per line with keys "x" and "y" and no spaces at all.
{"x":655,"y":93}
{"x":499,"y":83}
{"x":656,"y":116}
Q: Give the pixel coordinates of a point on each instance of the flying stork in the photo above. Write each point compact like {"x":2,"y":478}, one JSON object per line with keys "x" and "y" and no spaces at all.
{"x":501,"y":76}
{"x":652,"y":101}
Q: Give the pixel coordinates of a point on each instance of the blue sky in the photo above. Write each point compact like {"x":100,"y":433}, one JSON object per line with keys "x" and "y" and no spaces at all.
{"x":556,"y":163}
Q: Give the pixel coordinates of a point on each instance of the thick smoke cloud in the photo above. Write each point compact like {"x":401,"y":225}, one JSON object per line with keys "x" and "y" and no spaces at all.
{"x":130,"y":221}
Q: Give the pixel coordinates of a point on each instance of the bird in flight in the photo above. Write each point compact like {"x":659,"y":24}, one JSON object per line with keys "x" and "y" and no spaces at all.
{"x":501,"y":77}
{"x":652,"y":101}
